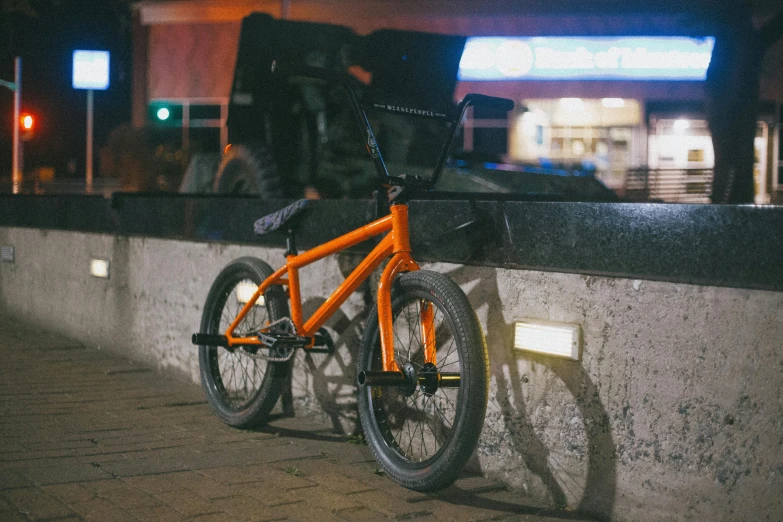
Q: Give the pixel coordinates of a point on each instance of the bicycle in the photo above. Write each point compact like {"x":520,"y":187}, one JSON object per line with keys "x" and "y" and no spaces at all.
{"x":423,"y":371}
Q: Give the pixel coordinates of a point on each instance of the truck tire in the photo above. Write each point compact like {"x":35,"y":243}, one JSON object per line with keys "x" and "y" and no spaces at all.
{"x":248,"y":170}
{"x":200,"y":175}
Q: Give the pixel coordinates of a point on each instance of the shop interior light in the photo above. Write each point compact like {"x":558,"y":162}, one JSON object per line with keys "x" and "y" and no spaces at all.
{"x":572,"y":104}
{"x":681,"y":125}
{"x":613,"y":103}
{"x":245,"y":291}
{"x":562,"y":340}
{"x":99,"y":268}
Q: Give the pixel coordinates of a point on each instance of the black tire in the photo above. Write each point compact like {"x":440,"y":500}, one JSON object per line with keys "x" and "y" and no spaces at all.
{"x":423,"y":441}
{"x":248,"y":170}
{"x":241,"y":390}
{"x":200,"y":175}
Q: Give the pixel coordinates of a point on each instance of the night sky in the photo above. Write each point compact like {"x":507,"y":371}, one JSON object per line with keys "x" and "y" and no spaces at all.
{"x":45,"y":34}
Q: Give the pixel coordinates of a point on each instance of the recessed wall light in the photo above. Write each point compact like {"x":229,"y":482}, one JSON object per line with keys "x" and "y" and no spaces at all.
{"x":562,"y":340}
{"x":99,"y":268}
{"x":7,"y":254}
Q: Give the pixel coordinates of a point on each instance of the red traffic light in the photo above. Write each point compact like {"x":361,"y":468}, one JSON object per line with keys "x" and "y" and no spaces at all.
{"x":26,"y":126}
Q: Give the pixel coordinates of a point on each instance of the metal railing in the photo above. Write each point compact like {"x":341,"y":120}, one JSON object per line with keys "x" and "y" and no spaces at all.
{"x":669,"y":185}
{"x":100,"y":186}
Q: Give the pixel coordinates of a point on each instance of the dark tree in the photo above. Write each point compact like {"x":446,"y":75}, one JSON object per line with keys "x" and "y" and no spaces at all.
{"x":732,"y":96}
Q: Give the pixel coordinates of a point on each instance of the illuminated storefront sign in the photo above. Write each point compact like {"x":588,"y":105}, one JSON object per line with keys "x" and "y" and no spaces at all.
{"x":586,"y":58}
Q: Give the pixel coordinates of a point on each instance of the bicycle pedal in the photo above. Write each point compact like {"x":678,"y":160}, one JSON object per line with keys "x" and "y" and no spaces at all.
{"x":323,"y":342}
{"x":275,"y":341}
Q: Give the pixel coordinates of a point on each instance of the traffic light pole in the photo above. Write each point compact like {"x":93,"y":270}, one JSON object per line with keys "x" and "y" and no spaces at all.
{"x":17,"y":162}
{"x":88,"y":186}
{"x":16,"y":86}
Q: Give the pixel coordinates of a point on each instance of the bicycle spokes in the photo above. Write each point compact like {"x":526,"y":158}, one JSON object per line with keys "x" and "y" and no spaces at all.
{"x":418,"y":413}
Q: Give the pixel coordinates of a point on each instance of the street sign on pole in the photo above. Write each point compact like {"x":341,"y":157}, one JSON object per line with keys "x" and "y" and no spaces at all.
{"x":90,"y":72}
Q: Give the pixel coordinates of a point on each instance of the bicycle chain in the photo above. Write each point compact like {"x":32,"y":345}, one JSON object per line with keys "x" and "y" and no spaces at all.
{"x":269,"y":358}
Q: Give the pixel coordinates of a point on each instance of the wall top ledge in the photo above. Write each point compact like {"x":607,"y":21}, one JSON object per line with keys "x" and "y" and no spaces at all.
{"x":717,"y":245}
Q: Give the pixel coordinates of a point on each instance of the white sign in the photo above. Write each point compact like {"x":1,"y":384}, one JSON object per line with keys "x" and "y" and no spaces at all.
{"x":91,"y":70}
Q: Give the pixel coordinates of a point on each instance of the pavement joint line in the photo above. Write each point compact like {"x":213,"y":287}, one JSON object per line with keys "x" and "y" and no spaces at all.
{"x":294,"y":459}
{"x":127,"y":371}
{"x":413,"y":516}
{"x":424,"y":498}
{"x":288,"y":503}
{"x":199,"y":515}
{"x":54,"y":457}
{"x":306,"y":486}
{"x":177,"y":405}
{"x":62,"y":348}
{"x":359,"y":492}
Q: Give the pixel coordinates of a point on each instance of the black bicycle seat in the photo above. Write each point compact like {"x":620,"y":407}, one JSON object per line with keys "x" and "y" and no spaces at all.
{"x":278,"y":219}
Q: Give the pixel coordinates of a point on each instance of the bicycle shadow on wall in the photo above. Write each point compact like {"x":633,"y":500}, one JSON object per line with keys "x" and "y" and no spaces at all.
{"x":326,"y":384}
{"x":518,"y":404}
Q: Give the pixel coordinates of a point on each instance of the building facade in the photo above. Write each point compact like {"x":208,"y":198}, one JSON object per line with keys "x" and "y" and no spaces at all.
{"x":605,"y":123}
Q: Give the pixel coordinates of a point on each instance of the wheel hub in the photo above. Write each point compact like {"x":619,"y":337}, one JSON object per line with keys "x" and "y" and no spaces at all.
{"x":428,"y":378}
{"x":409,"y":386}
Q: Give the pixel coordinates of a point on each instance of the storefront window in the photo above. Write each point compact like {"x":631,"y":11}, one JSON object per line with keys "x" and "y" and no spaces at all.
{"x":680,"y":143}
{"x":593,"y":136}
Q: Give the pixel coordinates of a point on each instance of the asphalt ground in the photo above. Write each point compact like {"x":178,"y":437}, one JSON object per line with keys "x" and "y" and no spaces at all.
{"x":89,"y":435}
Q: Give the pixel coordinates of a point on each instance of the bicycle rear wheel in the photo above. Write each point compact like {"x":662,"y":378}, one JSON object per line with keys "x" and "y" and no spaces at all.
{"x":241,"y":386}
{"x":422,"y":437}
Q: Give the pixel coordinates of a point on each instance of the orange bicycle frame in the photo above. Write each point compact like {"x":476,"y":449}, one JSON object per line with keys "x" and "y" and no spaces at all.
{"x":395,"y":244}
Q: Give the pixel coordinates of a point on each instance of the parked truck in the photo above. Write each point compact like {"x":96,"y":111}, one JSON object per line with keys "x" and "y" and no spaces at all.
{"x":288,"y":136}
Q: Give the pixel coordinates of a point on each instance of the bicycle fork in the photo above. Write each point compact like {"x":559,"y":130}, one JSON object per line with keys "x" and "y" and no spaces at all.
{"x":392,"y":375}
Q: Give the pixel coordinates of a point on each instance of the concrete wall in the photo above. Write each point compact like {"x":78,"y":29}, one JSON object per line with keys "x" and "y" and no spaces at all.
{"x":674,"y":412}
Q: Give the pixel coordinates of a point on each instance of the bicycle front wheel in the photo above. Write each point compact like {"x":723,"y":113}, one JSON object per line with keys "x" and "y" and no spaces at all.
{"x":241,"y":386}
{"x":423,"y":437}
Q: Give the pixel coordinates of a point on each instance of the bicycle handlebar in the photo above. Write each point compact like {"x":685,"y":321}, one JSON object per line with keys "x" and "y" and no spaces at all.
{"x":490,"y":102}
{"x":342,"y":79}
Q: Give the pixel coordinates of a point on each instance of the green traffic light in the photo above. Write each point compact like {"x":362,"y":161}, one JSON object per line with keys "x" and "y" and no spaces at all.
{"x":163,"y":113}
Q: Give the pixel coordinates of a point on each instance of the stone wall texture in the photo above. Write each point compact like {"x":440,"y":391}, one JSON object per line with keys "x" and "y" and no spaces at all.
{"x":675,"y":410}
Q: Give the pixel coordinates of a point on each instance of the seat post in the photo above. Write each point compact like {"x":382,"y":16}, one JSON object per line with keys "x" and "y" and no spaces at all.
{"x":290,"y":243}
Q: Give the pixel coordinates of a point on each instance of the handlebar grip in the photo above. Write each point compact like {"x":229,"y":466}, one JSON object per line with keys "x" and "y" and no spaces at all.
{"x":490,"y":102}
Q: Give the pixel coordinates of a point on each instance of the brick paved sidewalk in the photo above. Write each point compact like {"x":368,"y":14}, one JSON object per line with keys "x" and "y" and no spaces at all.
{"x":87,"y":435}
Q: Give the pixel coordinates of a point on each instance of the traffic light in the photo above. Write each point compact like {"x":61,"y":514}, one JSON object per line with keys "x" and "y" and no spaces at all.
{"x":162,"y":113}
{"x":26,"y":126}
